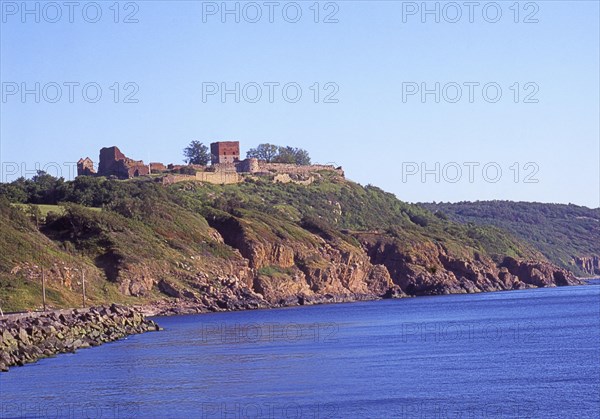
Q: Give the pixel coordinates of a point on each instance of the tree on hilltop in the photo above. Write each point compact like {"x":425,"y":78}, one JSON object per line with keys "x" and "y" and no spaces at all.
{"x":196,"y":153}
{"x":277,"y":154}
{"x":293,"y":155}
{"x":266,"y":152}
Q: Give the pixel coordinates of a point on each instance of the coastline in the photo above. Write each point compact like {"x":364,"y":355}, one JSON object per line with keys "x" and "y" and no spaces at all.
{"x":183,"y":307}
{"x":201,"y":350}
{"x":28,"y":337}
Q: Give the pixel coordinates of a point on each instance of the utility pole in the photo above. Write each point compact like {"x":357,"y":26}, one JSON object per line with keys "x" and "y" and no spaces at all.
{"x":83,"y":285}
{"x":44,"y":288}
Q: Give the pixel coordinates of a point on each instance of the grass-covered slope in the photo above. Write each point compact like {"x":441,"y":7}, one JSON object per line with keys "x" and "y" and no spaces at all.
{"x":26,"y":255}
{"x":568,"y":235}
{"x":252,"y":244}
{"x":345,"y":206}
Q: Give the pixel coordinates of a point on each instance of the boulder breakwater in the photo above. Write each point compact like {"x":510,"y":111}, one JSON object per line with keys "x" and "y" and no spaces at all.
{"x":25,"y":338}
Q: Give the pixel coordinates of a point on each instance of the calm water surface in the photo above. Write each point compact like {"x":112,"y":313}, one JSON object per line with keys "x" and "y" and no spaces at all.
{"x":518,"y":354}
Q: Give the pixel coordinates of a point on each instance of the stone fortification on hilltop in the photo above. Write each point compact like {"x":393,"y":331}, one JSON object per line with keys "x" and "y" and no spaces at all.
{"x":226,"y":167}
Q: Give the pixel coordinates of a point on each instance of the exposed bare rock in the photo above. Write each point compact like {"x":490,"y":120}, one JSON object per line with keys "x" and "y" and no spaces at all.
{"x":29,"y":337}
{"x":427,"y":269}
{"x":539,"y":273}
{"x":302,"y":263}
{"x":270,"y":270}
{"x":588,"y":264}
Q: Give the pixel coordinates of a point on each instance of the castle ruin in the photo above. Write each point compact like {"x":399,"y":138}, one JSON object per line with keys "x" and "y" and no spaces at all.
{"x":226,"y":167}
{"x":115,"y":163}
{"x":225,"y":152}
{"x":85,"y":167}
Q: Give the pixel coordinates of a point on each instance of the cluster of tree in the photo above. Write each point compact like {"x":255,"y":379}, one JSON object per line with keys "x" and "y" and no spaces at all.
{"x":531,"y":213}
{"x":198,"y":153}
{"x":278,"y":154}
{"x":40,"y":189}
{"x":84,"y":190}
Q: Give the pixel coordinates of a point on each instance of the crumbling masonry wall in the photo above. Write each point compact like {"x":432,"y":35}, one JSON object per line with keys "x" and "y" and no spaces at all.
{"x":296,"y":169}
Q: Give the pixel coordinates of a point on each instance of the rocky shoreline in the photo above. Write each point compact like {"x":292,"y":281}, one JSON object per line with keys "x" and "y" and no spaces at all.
{"x":25,"y":338}
{"x":180,"y":306}
{"x":399,"y":276}
{"x":28,"y":337}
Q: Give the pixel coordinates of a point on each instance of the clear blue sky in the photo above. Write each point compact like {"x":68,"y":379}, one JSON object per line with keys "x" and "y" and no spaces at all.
{"x":369,"y":53}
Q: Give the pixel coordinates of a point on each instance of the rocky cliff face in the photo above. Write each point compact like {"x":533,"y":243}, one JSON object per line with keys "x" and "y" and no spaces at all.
{"x":302,"y":266}
{"x":588,"y":264}
{"x":259,"y":261}
{"x":198,"y":248}
{"x":538,"y":274}
{"x":428,"y":268}
{"x":314,"y":269}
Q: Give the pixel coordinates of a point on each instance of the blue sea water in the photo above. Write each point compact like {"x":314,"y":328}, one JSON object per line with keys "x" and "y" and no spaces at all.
{"x":518,"y":354}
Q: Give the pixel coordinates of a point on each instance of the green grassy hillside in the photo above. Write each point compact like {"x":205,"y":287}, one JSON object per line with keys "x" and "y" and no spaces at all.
{"x":139,"y":241}
{"x":563,"y":233}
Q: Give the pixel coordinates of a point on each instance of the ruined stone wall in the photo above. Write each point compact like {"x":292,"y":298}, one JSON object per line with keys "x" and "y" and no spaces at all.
{"x":171,"y":179}
{"x":225,"y":167}
{"x":157,"y":167}
{"x":296,"y":169}
{"x":135,"y":168}
{"x":115,"y":163}
{"x":285,"y":178}
{"x":248,"y":166}
{"x":109,"y":158}
{"x":217,"y":178}
{"x":85,"y":167}
{"x":253,"y":165}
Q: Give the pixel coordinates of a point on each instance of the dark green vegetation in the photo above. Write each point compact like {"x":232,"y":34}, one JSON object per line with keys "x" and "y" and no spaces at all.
{"x":196,"y":153}
{"x":278,"y":154}
{"x":563,"y":233}
{"x":139,"y":241}
{"x":334,"y":206}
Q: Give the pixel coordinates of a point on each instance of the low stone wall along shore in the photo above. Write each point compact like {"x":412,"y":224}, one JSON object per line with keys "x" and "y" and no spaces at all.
{"x":28,"y":337}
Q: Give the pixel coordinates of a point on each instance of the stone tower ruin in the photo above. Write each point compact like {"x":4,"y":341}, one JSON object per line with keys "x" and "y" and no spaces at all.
{"x":225,"y":152}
